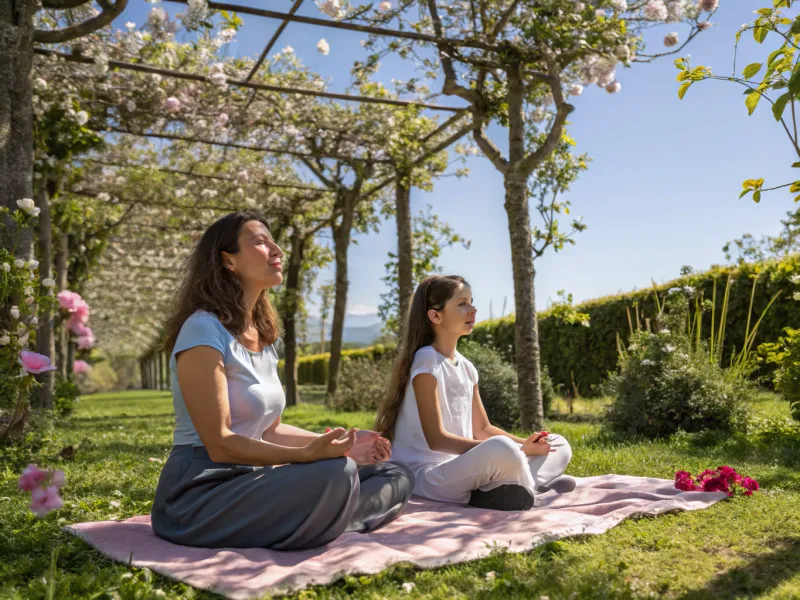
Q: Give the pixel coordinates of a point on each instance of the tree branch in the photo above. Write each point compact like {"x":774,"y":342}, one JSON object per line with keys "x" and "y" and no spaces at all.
{"x":59,"y":36}
{"x":63,"y":4}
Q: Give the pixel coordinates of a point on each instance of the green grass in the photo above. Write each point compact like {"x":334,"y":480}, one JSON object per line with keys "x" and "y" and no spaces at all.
{"x":740,"y":548}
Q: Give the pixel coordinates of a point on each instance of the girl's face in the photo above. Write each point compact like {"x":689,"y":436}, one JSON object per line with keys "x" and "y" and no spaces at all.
{"x":458,"y":315}
{"x":258,"y":261}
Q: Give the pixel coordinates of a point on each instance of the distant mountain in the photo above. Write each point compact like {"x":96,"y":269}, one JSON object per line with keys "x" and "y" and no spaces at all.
{"x":358,"y":329}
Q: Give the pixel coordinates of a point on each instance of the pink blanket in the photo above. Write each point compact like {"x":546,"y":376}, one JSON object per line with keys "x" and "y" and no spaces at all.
{"x":427,"y":534}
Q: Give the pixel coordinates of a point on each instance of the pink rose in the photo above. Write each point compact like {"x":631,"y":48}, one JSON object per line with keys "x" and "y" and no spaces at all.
{"x":32,"y":477}
{"x":80,"y":367}
{"x":45,"y":499}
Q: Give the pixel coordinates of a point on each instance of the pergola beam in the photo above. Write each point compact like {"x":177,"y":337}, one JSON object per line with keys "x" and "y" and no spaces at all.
{"x":142,"y":68}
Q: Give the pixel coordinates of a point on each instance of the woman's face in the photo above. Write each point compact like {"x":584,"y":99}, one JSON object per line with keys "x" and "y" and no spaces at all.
{"x":458,"y":315}
{"x":258,"y":261}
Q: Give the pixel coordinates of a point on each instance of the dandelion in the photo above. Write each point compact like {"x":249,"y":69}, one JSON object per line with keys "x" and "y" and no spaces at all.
{"x":323,"y":47}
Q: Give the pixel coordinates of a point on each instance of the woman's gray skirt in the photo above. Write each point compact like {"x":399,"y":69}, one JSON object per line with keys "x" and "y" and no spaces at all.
{"x":204,"y":503}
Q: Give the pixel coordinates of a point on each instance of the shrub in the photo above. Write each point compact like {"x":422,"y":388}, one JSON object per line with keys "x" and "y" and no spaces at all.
{"x":665,"y":384}
{"x":66,"y":396}
{"x":363,"y":383}
{"x":785,"y":355}
{"x":497,"y":381}
{"x":590,"y":352}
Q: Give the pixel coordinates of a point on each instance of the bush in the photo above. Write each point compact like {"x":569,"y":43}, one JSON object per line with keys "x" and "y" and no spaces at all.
{"x":363,"y":382}
{"x":66,"y":397}
{"x":664,"y":385}
{"x":590,"y":352}
{"x":785,"y":355}
{"x":497,"y":381}
{"x":313,"y":368}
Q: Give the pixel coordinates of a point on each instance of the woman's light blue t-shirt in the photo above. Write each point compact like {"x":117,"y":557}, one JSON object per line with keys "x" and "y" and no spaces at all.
{"x":255,"y":393}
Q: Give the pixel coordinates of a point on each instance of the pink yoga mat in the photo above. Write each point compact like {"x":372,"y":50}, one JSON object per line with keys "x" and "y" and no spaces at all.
{"x":427,"y":534}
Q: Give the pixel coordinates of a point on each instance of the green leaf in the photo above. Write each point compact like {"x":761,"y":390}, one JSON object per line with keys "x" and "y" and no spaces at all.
{"x":780,"y":105}
{"x":797,"y":198}
{"x":684,"y":87}
{"x":751,"y":102}
{"x":744,"y":193}
{"x":764,"y":11}
{"x":751,"y":69}
{"x":681,"y":63}
{"x":683,"y":75}
{"x":775,"y":54}
{"x":759,"y":33}
{"x":795,"y":29}
{"x":794,"y":80}
{"x":795,"y":187}
{"x":757,"y":196}
{"x":796,"y":165}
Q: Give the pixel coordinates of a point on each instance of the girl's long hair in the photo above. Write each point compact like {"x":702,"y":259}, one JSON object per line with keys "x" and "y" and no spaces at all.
{"x":432,"y":293}
{"x":208,"y":285}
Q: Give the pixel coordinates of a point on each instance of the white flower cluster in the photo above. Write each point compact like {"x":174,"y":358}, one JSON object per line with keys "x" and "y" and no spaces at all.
{"x":323,"y":47}
{"x":195,"y":15}
{"x":27,"y":206}
{"x":656,"y":10}
{"x":217,"y":76}
{"x":332,"y":8}
{"x":671,"y":39}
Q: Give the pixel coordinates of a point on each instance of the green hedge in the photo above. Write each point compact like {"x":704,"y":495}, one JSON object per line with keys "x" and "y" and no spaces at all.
{"x":590,"y":353}
{"x":313,"y":368}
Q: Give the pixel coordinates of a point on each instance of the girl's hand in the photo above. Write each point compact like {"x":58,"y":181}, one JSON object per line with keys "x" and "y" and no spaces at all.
{"x":369,"y":448}
{"x":328,"y":445}
{"x":536,"y":445}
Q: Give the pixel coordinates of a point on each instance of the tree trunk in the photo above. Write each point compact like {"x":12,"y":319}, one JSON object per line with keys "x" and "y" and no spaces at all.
{"x":45,"y":340}
{"x":16,"y":121}
{"x":290,"y":301}
{"x":526,"y":327}
{"x":341,"y":241}
{"x":62,"y":335}
{"x":405,"y":250}
{"x":70,"y":358}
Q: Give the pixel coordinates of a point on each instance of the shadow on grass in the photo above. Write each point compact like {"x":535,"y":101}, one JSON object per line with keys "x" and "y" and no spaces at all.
{"x":762,"y":574}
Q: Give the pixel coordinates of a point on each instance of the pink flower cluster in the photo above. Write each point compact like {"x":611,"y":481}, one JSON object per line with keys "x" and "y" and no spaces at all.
{"x":80,"y":367}
{"x":722,"y":479}
{"x":78,"y":310}
{"x":34,"y":363}
{"x":43,"y":486}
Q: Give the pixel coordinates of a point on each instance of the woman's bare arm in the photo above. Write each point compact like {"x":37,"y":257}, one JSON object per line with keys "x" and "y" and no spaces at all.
{"x":287,"y":435}
{"x":201,"y":376}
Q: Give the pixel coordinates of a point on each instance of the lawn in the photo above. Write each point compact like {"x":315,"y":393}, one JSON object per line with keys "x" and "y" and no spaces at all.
{"x":739,"y":548}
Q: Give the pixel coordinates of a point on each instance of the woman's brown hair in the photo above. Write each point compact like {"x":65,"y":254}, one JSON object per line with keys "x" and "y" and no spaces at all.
{"x":208,"y":285}
{"x":432,"y":293}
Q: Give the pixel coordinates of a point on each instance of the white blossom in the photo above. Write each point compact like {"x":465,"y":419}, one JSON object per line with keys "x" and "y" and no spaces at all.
{"x":195,"y":15}
{"x":222,"y":119}
{"x":287,"y":50}
{"x":674,"y":290}
{"x":580,"y":7}
{"x":796,"y":296}
{"x":795,"y":279}
{"x":332,"y":8}
{"x":32,"y":264}
{"x":323,"y":47}
{"x":19,"y":263}
{"x":219,"y":79}
{"x":647,"y":362}
{"x":130,"y":106}
{"x":130,"y":25}
{"x":490,"y":576}
{"x":27,"y":205}
{"x":656,"y":10}
{"x":408,"y":587}
{"x":48,"y":282}
{"x":585,"y":323}
{"x":158,"y":16}
{"x":619,"y":5}
{"x":669,"y":348}
{"x":676,"y":11}
{"x":30,"y":300}
{"x":39,"y":84}
{"x":671,"y":39}
{"x":172,"y":105}
{"x":104,"y":196}
{"x":14,"y":312}
{"x":385,"y":6}
{"x":600,"y":12}
{"x":613,"y":87}
{"x":5,"y":340}
{"x":703,"y":25}
{"x":6,"y":267}
{"x":576,"y":89}
{"x":708,"y":5}
{"x":34,"y":321}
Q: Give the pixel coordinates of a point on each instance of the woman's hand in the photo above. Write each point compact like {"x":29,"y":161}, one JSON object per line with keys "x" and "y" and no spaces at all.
{"x":328,"y":445}
{"x":369,"y":448}
{"x":537,"y":445}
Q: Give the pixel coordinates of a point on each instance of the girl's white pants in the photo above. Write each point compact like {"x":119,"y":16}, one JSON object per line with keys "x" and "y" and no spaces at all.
{"x":494,"y":462}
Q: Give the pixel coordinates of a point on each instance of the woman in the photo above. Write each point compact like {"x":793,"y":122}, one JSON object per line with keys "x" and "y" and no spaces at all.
{"x":237,"y":476}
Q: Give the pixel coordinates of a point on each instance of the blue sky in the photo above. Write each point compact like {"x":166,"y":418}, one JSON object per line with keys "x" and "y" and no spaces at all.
{"x":661,"y":191}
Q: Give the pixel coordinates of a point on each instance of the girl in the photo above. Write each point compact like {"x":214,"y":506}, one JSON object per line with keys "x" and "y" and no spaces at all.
{"x":435,"y":418}
{"x":238,"y":477}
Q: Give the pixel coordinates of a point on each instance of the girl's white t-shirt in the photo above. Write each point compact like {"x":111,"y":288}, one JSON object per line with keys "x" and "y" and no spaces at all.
{"x":456,"y":380}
